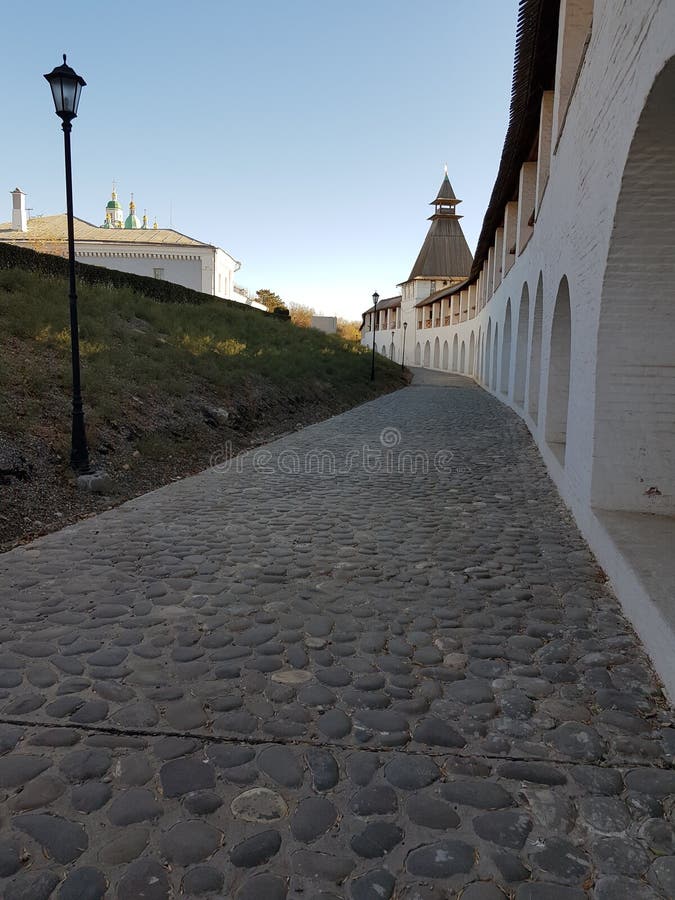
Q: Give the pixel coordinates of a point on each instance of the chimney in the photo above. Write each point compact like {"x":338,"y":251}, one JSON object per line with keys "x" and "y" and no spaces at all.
{"x":19,"y":219}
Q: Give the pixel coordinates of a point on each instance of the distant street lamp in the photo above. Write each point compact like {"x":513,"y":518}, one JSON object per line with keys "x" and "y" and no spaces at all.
{"x":405,"y":328}
{"x":376,"y":297}
{"x":66,"y":87}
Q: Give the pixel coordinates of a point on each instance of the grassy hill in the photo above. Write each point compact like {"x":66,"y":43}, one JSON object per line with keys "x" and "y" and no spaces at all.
{"x":165,"y":386}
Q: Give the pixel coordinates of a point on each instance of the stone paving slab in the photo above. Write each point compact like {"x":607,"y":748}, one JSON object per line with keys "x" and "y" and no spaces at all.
{"x":317,"y":817}
{"x":373,"y":659}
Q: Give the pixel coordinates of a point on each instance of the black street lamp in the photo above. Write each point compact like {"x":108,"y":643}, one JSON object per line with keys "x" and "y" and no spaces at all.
{"x":66,"y":87}
{"x":392,"y":346}
{"x":405,"y":328}
{"x":376,"y":297}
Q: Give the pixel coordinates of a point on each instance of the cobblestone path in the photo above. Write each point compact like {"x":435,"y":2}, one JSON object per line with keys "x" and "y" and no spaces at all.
{"x":268,"y":682}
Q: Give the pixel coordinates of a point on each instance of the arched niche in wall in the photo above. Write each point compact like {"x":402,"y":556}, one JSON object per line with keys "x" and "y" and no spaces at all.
{"x":495,"y":357}
{"x":558,"y":390}
{"x":535,"y":351}
{"x":506,"y":350}
{"x":634,"y":436}
{"x":520,"y":371}
{"x":488,"y":355}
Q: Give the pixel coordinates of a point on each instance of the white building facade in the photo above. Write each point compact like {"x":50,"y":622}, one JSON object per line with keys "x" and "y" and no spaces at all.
{"x":568,"y":315}
{"x":129,"y":245}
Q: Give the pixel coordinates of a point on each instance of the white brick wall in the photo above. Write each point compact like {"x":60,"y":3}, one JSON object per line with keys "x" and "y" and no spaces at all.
{"x":605,"y":230}
{"x":635,"y":401}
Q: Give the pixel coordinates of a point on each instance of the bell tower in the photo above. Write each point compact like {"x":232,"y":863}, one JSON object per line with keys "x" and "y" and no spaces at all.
{"x":114,"y":215}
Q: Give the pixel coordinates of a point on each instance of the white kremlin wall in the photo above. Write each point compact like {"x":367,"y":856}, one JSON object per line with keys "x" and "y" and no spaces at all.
{"x":578,"y":333}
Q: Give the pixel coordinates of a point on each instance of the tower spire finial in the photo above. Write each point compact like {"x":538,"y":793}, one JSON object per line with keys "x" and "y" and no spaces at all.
{"x":445,"y":168}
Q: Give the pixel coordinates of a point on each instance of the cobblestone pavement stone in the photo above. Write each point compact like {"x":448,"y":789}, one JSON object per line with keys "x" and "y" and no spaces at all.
{"x":268,"y":682}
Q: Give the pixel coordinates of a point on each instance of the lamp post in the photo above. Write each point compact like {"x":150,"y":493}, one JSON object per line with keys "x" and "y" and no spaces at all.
{"x":376,"y":297}
{"x":392,"y":346}
{"x":405,"y":328}
{"x":66,"y":87}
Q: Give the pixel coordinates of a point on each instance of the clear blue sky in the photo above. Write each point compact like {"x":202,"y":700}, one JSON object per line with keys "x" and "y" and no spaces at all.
{"x":306,"y":137}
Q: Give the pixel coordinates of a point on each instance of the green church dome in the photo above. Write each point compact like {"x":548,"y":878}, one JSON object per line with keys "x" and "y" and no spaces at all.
{"x":113,"y":204}
{"x":132,"y":221}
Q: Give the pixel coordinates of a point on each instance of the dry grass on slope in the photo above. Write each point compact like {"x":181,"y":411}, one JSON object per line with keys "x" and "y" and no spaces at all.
{"x":165,"y":386}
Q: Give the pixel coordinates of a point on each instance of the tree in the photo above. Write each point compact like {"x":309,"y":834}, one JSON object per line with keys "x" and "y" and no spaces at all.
{"x":350,"y":331}
{"x":269,"y":299}
{"x":301,"y":315}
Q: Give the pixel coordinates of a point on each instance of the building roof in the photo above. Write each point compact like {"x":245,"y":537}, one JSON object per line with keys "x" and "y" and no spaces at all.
{"x":388,"y":303}
{"x":438,"y":295}
{"x":445,"y":252}
{"x":445,"y":193}
{"x":533,"y":73}
{"x":55,"y":228}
